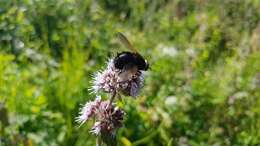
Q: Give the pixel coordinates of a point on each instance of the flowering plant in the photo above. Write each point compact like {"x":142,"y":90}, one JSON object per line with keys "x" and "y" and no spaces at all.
{"x":108,"y":117}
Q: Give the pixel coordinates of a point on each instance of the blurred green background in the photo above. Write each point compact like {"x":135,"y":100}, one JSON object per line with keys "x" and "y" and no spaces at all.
{"x":203,"y":88}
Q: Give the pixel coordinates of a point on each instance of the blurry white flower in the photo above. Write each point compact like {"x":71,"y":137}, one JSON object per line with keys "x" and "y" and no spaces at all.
{"x":191,"y":52}
{"x":109,"y":81}
{"x":53,"y":63}
{"x":33,"y":54}
{"x":171,"y":100}
{"x":171,"y":51}
{"x":167,"y":50}
{"x":18,"y":44}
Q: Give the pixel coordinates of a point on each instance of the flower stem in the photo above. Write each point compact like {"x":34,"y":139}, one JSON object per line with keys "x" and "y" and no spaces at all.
{"x":98,"y":141}
{"x":112,"y":98}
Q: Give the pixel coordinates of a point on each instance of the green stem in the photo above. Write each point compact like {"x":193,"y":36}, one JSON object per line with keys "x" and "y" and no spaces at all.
{"x":98,"y":141}
{"x":145,"y":139}
{"x":148,"y":137}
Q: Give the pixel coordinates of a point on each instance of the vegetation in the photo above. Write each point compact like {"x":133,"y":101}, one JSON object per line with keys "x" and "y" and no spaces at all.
{"x":203,"y":88}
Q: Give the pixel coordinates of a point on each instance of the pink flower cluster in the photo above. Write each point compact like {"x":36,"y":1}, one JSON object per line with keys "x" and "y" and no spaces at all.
{"x":109,"y":81}
{"x":108,"y":117}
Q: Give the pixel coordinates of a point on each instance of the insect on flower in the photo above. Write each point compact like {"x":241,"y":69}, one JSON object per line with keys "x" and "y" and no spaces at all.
{"x":129,"y":63}
{"x":123,"y":74}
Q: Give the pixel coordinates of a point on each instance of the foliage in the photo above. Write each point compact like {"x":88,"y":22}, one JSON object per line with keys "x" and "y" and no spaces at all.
{"x":203,"y":87}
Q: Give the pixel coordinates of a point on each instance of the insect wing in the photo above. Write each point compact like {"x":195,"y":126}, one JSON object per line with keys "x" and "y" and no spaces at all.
{"x":126,"y":42}
{"x":134,"y":91}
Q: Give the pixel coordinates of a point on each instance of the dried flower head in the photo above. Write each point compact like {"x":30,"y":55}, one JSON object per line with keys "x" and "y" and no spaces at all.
{"x":108,"y":117}
{"x":111,"y":81}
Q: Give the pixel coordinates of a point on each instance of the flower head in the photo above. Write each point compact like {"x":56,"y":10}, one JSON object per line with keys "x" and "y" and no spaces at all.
{"x":110,"y":80}
{"x":108,"y":117}
{"x":88,"y":110}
